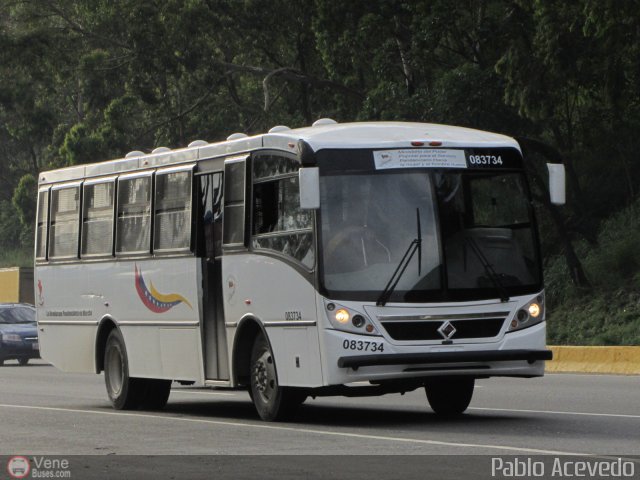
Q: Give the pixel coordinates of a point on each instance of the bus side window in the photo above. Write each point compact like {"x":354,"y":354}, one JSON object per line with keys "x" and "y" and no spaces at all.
{"x":41,"y":227}
{"x":235,"y":186}
{"x":97,"y":218}
{"x":172,"y":211}
{"x":133,"y":229}
{"x":65,"y":222}
{"x":279,"y":224}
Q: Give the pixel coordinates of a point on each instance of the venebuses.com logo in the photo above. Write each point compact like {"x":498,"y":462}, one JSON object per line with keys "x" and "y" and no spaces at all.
{"x":18,"y":467}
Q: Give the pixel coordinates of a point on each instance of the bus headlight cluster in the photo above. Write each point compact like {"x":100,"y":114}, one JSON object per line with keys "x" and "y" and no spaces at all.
{"x":349,"y":320}
{"x":529,"y":314}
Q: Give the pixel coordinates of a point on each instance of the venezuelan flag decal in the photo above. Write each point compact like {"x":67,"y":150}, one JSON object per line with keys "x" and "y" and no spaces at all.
{"x":155,"y":301}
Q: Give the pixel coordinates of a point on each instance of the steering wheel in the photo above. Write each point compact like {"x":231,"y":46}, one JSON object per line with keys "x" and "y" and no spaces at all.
{"x":341,"y":237}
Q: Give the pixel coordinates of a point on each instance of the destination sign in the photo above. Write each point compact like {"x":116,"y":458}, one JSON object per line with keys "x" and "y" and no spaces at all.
{"x":486,"y":158}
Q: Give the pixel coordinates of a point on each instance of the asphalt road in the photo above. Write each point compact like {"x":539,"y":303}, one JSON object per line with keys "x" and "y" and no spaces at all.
{"x":47,"y":412}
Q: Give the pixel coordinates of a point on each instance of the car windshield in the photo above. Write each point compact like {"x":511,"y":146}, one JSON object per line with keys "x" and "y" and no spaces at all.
{"x":13,"y":315}
{"x":477,"y":234}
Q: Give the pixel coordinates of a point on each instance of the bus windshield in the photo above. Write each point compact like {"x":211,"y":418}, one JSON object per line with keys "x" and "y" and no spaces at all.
{"x":368,"y":221}
{"x":477,"y":235}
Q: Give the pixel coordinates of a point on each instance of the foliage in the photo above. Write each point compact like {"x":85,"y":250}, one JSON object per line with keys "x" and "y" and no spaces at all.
{"x":16,"y":257}
{"x":609,"y":314}
{"x":605,"y":318}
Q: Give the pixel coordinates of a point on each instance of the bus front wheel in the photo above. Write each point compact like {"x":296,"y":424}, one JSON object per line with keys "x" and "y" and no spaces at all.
{"x":272,"y":401}
{"x":449,"y":396}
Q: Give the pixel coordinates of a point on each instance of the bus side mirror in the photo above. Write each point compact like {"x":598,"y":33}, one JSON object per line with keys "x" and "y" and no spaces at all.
{"x":557,"y":189}
{"x":309,"y":180}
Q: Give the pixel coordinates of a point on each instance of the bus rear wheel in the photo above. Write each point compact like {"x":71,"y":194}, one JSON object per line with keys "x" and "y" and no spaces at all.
{"x":124,"y":392}
{"x":449,"y":396}
{"x":156,"y":393}
{"x":272,"y":401}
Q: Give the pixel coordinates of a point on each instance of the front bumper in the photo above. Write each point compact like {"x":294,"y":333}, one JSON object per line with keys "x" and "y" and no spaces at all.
{"x":513,"y":355}
{"x":357,"y":361}
{"x":14,"y":351}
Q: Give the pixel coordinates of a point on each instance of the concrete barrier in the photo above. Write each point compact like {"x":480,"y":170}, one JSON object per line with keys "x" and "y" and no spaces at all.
{"x":612,"y":360}
{"x":16,"y":285}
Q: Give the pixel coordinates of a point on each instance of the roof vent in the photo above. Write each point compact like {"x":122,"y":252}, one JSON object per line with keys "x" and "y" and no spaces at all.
{"x":237,"y":136}
{"x":134,"y":153}
{"x":324,"y":121}
{"x":160,"y":150}
{"x":279,"y":128}
{"x":198,"y":143}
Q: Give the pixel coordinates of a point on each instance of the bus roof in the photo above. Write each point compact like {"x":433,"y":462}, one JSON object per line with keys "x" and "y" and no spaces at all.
{"x":324,"y":134}
{"x":395,"y":135}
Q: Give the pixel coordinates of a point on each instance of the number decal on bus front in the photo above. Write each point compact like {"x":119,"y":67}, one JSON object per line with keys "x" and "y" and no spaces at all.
{"x":485,"y":160}
{"x":363,"y":346}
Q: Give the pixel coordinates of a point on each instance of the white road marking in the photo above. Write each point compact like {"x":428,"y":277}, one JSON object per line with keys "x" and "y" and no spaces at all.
{"x":305,"y":430}
{"x":555,"y":412}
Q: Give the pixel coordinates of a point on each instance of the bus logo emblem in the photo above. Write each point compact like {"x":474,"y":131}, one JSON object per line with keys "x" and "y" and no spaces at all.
{"x":447,"y":330}
{"x":155,"y":301}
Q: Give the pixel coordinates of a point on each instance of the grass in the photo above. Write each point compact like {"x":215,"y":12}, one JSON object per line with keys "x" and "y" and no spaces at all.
{"x":19,"y":257}
{"x":606,"y":318}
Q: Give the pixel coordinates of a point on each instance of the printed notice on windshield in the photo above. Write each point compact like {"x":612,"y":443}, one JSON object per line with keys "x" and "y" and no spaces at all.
{"x":420,"y":158}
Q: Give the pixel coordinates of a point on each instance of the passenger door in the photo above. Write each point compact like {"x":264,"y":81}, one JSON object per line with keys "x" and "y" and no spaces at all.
{"x":209,"y":245}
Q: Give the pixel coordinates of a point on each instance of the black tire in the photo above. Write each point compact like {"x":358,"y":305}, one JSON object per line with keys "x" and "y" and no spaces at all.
{"x":156,"y":393}
{"x":300,"y":395}
{"x":449,"y":396}
{"x":23,"y":361}
{"x":1,"y":363}
{"x":272,"y":402}
{"x":124,"y":392}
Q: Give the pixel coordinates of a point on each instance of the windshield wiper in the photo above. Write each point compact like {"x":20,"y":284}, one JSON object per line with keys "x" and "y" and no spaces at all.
{"x":415,"y":245}
{"x":488,"y":268}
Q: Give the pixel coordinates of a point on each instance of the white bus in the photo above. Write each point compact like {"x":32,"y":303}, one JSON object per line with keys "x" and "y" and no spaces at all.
{"x":338,"y":259}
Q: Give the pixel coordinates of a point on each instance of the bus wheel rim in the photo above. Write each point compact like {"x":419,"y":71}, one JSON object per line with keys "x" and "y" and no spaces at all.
{"x":115,"y":372}
{"x":264,"y":377}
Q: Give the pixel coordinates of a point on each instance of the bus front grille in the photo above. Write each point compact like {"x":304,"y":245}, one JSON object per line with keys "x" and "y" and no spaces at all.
{"x":428,"y":330}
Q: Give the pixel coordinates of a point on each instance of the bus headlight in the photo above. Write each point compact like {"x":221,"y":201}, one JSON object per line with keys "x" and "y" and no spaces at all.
{"x":342,"y":316}
{"x":349,"y":320}
{"x":528,"y":315}
{"x":358,"y":321}
{"x":534,"y":310}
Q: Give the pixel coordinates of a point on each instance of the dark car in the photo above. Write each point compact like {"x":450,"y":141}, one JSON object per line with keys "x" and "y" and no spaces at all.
{"x":18,"y":333}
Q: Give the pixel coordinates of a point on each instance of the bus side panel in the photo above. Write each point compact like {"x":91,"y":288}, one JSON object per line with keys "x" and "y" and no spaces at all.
{"x":66,"y":328}
{"x":68,"y":347}
{"x":274,"y":293}
{"x":154,"y":302}
{"x":297,"y":355}
{"x":159,"y":316}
